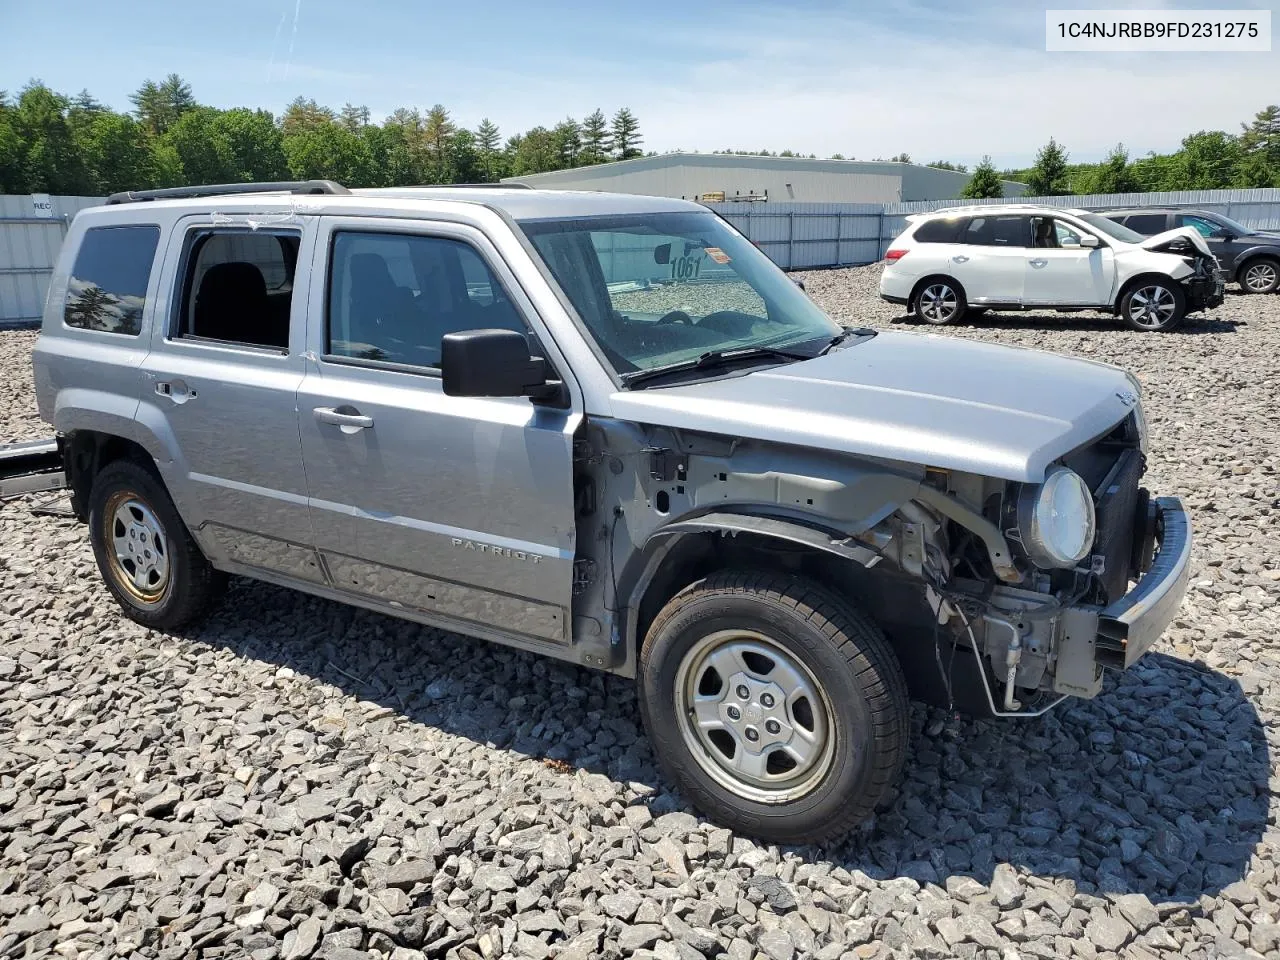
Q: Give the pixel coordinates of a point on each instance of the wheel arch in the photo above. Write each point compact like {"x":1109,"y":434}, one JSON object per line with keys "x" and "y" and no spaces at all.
{"x":86,"y":452}
{"x":1252,"y":255}
{"x":685,"y":551}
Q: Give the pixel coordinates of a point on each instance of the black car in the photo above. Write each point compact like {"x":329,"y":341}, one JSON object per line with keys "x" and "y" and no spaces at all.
{"x":1247,"y":256}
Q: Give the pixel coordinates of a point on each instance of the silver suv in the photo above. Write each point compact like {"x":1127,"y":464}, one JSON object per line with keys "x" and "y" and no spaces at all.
{"x":608,"y":429}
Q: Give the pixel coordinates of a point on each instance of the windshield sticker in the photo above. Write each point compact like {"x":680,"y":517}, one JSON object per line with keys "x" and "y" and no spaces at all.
{"x":716,"y":254}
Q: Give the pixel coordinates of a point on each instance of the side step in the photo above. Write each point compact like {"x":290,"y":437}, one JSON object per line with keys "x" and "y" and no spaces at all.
{"x":30,"y":467}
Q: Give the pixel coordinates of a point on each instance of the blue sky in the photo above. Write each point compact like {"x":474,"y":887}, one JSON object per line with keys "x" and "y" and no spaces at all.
{"x":938,"y":80}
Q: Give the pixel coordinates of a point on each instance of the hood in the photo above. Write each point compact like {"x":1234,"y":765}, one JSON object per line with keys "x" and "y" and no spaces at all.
{"x":927,"y":399}
{"x":1162,"y":238}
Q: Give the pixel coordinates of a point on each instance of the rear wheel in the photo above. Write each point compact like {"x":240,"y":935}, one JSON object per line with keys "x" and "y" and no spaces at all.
{"x":939,"y":301}
{"x":147,"y":558}
{"x":1260,"y":275}
{"x":1153,"y":306}
{"x":777,"y":708}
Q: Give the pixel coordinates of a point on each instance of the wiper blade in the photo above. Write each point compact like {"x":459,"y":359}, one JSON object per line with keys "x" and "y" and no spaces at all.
{"x":848,"y":337}
{"x":712,"y":359}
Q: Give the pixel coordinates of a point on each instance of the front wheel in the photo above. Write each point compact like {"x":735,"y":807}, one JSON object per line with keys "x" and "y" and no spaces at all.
{"x":776,"y":707}
{"x":1153,"y":306}
{"x":939,"y":301}
{"x":1260,"y":275}
{"x":147,"y":558}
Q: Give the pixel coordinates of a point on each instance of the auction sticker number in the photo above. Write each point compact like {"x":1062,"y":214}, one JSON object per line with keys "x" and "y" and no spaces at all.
{"x":687,"y":267}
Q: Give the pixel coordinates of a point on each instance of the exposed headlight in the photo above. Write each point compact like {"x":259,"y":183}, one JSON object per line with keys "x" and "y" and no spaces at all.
{"x":1056,"y":519}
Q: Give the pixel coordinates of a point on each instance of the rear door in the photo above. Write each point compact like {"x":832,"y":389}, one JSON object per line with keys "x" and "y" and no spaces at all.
{"x":222,"y":380}
{"x":457,"y":508}
{"x":1060,"y":272}
{"x":989,"y":258}
{"x":1148,"y":224}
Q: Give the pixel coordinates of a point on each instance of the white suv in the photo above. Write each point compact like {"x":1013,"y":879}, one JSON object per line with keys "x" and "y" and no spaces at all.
{"x":1020,"y":257}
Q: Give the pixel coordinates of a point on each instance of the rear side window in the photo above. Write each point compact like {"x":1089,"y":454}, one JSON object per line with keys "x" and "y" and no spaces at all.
{"x":1014,"y":231}
{"x":1147,"y":224}
{"x":393,"y":297}
{"x":942,"y":230}
{"x":108,"y":286}
{"x":238,"y":287}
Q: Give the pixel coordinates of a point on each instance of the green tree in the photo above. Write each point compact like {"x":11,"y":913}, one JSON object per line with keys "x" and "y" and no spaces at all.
{"x":489,"y":149}
{"x":1113,"y":175}
{"x":626,"y":135}
{"x":948,"y":165}
{"x":464,"y":158}
{"x":330,"y":152}
{"x":12,"y":152}
{"x":51,"y":159}
{"x":985,"y":182}
{"x":118,"y":153}
{"x":437,"y":133}
{"x":533,"y":152}
{"x":1048,"y":178}
{"x":1208,"y":160}
{"x":900,"y":158}
{"x":568,"y":137}
{"x":303,"y":114}
{"x":596,"y":145}
{"x":160,"y":105}
{"x":1263,"y":135}
{"x":257,"y":146}
{"x":353,"y":118}
{"x":203,"y":149}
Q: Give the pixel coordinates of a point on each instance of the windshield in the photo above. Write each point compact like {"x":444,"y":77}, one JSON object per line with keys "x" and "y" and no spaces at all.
{"x":663,"y":288}
{"x":1111,"y":228}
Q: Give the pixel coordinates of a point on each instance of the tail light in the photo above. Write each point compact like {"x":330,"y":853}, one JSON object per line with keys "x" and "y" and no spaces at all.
{"x":893,"y":256}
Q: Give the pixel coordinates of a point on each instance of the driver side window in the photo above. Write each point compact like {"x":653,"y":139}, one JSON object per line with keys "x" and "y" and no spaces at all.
{"x":393,"y":297}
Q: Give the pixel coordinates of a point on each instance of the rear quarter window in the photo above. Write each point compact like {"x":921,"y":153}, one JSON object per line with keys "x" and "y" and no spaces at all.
{"x":1147,"y":224}
{"x":943,"y":230}
{"x":107,"y":290}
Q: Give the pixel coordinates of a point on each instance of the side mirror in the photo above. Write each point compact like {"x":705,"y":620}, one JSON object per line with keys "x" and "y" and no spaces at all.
{"x":798,"y":282}
{"x":662,"y":253}
{"x":1088,"y":240}
{"x":1222,"y":234}
{"x":493,"y":363}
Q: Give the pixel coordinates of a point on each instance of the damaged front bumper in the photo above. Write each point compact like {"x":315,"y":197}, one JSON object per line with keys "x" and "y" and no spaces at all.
{"x":1091,"y":638}
{"x":1205,"y":292}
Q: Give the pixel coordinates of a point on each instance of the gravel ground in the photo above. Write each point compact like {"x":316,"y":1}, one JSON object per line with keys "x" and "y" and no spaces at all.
{"x":297,"y":778}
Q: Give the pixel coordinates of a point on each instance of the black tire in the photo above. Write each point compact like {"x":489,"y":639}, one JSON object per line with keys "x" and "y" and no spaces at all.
{"x":939,"y":301}
{"x":861,"y":703}
{"x":1259,"y":275}
{"x":1153,"y":305}
{"x":189,"y":585}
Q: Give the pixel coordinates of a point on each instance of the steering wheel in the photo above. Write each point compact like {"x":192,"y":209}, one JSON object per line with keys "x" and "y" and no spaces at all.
{"x":676,"y":316}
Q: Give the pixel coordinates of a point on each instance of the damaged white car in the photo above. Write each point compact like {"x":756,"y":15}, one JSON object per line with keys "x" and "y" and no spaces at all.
{"x":1019,"y":257}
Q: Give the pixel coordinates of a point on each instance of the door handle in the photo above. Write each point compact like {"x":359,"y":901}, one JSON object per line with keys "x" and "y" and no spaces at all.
{"x":1038,"y":262}
{"x":175,"y":390}
{"x":348,"y":418}
{"x":960,"y":258}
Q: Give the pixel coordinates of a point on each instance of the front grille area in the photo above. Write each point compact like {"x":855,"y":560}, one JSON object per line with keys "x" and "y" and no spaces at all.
{"x":1117,"y":500}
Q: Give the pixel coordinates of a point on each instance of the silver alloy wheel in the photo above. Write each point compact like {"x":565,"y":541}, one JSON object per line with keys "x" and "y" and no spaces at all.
{"x":140,"y":550}
{"x":1152,"y":306}
{"x":754,"y":717}
{"x":1260,"y":277}
{"x":938,"y":303}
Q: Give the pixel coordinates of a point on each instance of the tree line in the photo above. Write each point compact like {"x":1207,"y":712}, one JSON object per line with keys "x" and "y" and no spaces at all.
{"x":75,"y":145}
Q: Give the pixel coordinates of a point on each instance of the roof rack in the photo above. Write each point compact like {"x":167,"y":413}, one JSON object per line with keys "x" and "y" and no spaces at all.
{"x":483,"y":186}
{"x":222,"y":189}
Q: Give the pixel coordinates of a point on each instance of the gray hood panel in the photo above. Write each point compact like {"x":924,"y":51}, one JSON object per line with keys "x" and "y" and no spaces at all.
{"x":922,"y":399}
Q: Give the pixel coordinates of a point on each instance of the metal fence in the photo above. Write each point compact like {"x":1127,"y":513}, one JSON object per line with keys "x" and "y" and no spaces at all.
{"x":797,"y":236}
{"x":808,"y":235}
{"x":31,"y":231}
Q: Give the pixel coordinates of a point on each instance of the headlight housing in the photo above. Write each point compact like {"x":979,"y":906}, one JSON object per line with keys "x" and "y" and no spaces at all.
{"x":1056,"y":519}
